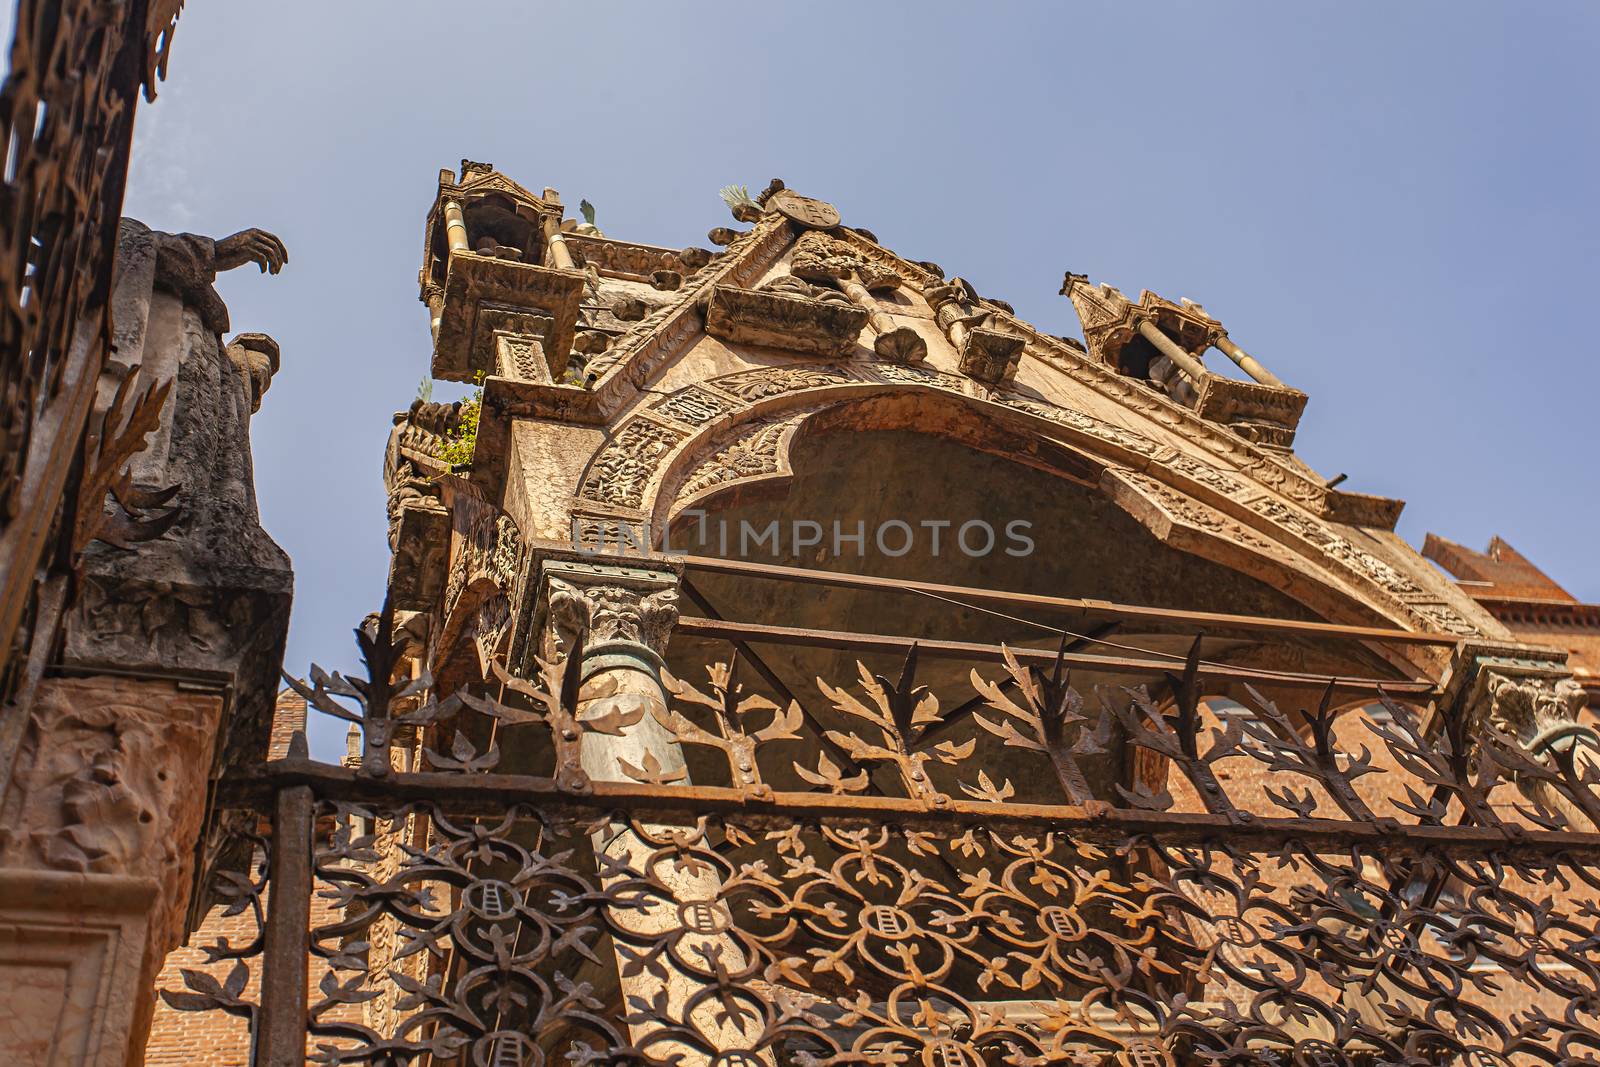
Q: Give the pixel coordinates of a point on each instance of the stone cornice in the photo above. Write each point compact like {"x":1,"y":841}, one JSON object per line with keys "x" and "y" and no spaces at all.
{"x":646,"y":347}
{"x":623,"y":259}
{"x":1256,"y":463}
{"x":1528,"y":610}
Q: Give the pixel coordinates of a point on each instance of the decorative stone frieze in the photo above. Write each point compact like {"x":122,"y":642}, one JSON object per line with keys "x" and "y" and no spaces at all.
{"x":758,"y":448}
{"x":630,"y":260}
{"x":619,"y":474}
{"x":520,"y":356}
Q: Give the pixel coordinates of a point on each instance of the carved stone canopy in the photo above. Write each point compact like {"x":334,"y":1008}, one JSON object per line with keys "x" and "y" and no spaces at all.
{"x":495,"y":208}
{"x":494,"y":277}
{"x":1111,"y":321}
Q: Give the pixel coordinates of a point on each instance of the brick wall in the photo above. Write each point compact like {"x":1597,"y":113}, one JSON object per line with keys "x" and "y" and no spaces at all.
{"x":215,"y":1038}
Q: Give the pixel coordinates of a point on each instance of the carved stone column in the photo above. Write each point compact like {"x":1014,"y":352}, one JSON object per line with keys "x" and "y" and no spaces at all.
{"x":623,"y":616}
{"x":560,"y":254}
{"x":988,"y":356}
{"x":1246,"y":362}
{"x":455,"y":227}
{"x":1191,"y":367}
{"x":619,"y":618}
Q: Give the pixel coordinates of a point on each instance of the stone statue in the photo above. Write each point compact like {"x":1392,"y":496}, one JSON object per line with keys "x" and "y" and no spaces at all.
{"x":186,"y":264}
{"x":170,"y":652}
{"x":212,"y":593}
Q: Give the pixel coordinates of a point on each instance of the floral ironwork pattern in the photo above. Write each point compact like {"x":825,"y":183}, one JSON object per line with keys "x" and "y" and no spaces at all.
{"x":888,"y":881}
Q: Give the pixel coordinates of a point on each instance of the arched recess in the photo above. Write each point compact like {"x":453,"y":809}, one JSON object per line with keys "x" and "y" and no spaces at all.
{"x":756,"y":445}
{"x":736,"y":430}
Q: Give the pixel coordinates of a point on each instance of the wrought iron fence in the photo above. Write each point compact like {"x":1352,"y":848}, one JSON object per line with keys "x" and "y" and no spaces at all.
{"x":879,"y":883}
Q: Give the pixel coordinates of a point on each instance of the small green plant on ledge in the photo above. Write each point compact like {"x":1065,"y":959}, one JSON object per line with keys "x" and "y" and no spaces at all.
{"x":463,"y":440}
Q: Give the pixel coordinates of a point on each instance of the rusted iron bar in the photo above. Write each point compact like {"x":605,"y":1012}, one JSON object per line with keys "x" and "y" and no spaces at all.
{"x":1103,"y":609}
{"x":767,"y":673}
{"x":494,"y":793}
{"x":959,"y":713}
{"x":968,"y":650}
{"x":281,"y":1036}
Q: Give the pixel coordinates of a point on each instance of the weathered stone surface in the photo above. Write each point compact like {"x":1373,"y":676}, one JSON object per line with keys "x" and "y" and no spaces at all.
{"x":108,"y":787}
{"x":210,"y":598}
{"x":106,"y":782}
{"x":1265,"y":414}
{"x":170,"y":655}
{"x":990,"y":356}
{"x":785,"y":321}
{"x":73,"y":979}
{"x":803,"y":210}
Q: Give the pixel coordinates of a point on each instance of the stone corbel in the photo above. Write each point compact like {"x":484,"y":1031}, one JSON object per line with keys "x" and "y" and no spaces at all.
{"x":987,"y":356}
{"x":991,"y":357}
{"x":1268,"y":415}
{"x":825,"y":260}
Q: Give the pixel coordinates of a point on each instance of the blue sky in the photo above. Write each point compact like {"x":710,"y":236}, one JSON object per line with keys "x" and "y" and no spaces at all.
{"x":1391,"y":204}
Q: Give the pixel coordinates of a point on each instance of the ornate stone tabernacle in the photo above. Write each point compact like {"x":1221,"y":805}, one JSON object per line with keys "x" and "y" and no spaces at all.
{"x":791,"y":657}
{"x":1131,"y":739}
